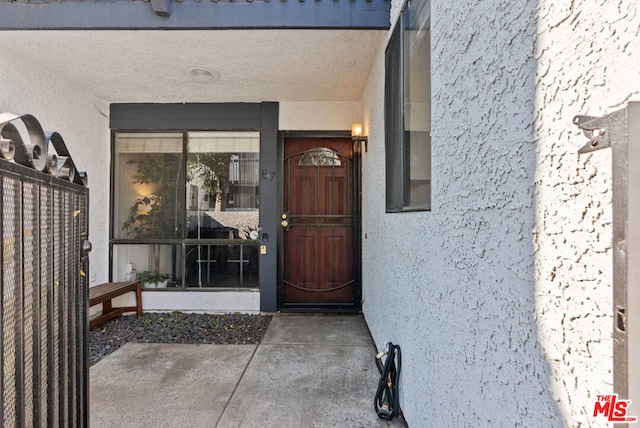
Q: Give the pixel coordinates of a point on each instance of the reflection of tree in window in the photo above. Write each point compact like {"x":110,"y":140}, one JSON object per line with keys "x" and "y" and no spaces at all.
{"x":222,"y":177}
{"x":155,"y":216}
{"x":213,"y":197}
{"x":213,"y":170}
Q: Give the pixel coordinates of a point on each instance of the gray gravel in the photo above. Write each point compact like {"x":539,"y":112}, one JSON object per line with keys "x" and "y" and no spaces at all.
{"x":176,"y":327}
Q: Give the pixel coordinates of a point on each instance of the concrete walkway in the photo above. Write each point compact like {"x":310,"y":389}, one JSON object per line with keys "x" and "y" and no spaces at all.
{"x":309,"y":371}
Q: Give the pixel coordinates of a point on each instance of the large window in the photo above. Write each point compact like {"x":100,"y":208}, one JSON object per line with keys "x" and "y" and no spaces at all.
{"x":408,"y":110}
{"x":186,"y":209}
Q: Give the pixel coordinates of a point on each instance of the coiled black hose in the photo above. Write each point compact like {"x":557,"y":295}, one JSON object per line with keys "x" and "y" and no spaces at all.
{"x":387,"y":401}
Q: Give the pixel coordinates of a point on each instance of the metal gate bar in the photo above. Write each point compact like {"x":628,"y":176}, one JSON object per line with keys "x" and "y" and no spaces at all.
{"x":44,"y":293}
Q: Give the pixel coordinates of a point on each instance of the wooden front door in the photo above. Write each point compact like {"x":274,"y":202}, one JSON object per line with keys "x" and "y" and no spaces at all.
{"x":318,"y":223}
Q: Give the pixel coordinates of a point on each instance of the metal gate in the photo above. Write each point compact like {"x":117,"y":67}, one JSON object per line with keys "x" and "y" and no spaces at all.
{"x":44,"y":204}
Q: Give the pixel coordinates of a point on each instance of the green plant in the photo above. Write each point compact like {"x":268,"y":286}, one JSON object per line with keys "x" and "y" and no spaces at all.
{"x":152,"y":277}
{"x":155,"y":216}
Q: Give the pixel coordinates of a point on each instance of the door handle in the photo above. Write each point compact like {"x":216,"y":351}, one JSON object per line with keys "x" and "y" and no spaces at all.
{"x":284,"y":223}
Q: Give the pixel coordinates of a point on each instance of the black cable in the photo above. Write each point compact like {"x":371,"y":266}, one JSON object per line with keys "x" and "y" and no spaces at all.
{"x":387,"y":401}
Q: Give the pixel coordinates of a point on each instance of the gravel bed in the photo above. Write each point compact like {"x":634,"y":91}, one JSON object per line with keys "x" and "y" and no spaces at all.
{"x":176,"y":327}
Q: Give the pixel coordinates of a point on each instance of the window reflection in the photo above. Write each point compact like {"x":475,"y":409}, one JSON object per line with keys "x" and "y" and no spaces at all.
{"x":186,"y":222}
{"x":222,"y":185}
{"x":223,"y":204}
{"x":222,"y":266}
{"x":408,"y":110}
{"x":137,"y":261}
{"x":147,"y":186}
{"x":147,"y":199}
{"x":417,"y":98}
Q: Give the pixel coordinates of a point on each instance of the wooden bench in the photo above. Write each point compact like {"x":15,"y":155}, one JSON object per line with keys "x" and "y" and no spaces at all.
{"x":103,"y":293}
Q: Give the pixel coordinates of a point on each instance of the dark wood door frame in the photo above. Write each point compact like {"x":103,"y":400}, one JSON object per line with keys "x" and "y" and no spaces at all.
{"x":322,"y":307}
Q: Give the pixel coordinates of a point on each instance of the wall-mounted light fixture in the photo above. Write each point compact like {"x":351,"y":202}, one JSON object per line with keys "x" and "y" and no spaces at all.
{"x":357,"y":137}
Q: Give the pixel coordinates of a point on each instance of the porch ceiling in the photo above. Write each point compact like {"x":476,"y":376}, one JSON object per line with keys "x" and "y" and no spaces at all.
{"x":253,"y":65}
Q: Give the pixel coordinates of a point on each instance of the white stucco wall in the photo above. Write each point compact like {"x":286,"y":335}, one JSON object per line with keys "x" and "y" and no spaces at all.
{"x":319,"y":116}
{"x":501,"y":296}
{"x":588,"y":59}
{"x":60,"y":105}
{"x":221,"y":301}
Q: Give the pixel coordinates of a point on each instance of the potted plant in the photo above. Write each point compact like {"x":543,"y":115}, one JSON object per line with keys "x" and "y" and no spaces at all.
{"x":153,"y":279}
{"x":154,"y":216}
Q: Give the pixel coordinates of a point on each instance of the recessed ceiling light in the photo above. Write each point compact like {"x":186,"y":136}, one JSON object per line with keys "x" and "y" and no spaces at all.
{"x":199,"y":73}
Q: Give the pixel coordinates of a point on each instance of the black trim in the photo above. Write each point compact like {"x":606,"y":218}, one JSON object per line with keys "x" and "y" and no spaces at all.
{"x":356,"y":307}
{"x":268,"y":206}
{"x":128,"y":15}
{"x":186,"y":116}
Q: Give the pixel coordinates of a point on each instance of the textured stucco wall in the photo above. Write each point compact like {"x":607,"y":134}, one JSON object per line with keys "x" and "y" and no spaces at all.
{"x":588,"y":59}
{"x":454,"y":287}
{"x":81,"y":119}
{"x":501,"y":296}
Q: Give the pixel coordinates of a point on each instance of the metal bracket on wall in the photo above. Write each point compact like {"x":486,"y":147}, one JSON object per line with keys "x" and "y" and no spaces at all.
{"x":600,"y":130}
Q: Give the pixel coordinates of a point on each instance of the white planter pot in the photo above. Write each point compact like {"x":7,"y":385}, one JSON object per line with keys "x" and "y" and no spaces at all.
{"x":162,"y":284}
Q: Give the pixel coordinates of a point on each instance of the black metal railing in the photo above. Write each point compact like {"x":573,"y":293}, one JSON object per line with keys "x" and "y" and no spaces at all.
{"x":44,"y":204}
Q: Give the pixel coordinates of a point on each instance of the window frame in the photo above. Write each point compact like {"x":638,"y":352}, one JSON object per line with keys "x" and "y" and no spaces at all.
{"x":252,"y":116}
{"x":397,"y":137}
{"x":181,"y":242}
